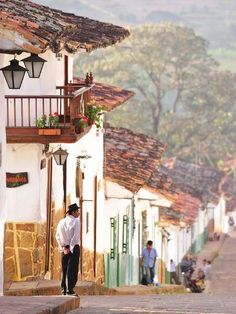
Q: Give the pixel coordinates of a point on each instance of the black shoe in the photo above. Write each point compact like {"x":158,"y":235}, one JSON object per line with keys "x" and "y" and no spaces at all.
{"x":63,"y":292}
{"x":72,"y":293}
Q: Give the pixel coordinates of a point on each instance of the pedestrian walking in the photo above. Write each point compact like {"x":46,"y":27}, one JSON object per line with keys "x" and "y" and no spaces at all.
{"x":149,"y":255}
{"x":173,"y":274}
{"x":68,"y":239}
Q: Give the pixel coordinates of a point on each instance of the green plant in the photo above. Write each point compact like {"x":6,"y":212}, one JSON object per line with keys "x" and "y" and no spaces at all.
{"x":53,"y":120}
{"x":42,"y":122}
{"x":81,"y":121}
{"x":94,"y":113}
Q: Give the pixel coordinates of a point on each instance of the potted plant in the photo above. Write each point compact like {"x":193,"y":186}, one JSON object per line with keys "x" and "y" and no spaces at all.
{"x":42,"y":122}
{"x":80,"y":122}
{"x":53,"y":120}
{"x":48,"y":125}
{"x":94,"y":114}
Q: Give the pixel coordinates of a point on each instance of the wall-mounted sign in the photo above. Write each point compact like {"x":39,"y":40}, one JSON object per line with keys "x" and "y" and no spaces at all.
{"x":14,"y":180}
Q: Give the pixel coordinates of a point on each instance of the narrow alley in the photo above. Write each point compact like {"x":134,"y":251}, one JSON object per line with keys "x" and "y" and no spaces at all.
{"x":219,"y":299}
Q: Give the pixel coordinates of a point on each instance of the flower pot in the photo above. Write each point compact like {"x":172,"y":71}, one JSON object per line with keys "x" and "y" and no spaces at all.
{"x":90,"y":121}
{"x":79,"y":129}
{"x":49,"y":131}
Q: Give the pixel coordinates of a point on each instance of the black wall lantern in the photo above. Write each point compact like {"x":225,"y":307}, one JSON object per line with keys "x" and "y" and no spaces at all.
{"x":60,"y":156}
{"x":34,"y":64}
{"x":14,"y":74}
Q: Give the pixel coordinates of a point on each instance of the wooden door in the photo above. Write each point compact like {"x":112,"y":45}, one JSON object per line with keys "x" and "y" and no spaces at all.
{"x":49,"y":217}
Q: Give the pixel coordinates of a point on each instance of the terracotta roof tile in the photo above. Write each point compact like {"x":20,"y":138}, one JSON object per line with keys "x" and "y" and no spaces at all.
{"x":188,"y":206}
{"x":107,"y":95}
{"x":199,"y":181}
{"x":44,"y":28}
{"x":130,"y":158}
{"x":162,"y":184}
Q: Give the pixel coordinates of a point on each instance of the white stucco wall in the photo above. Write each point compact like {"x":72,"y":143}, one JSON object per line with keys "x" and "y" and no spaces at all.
{"x":219,"y":216}
{"x":173,"y":250}
{"x":92,"y":145}
{"x":118,"y":203}
{"x":2,"y":173}
{"x":23,"y":202}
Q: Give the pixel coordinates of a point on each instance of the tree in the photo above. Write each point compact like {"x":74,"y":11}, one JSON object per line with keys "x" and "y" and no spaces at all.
{"x":159,"y":62}
{"x":181,"y":95}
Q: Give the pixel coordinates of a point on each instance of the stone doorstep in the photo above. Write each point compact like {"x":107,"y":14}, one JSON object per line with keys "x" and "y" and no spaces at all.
{"x":48,"y":288}
{"x":52,"y":287}
{"x":143,"y":290}
{"x":59,"y":305}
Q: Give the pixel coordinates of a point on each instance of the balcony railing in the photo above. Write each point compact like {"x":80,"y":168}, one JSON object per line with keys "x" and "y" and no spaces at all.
{"x":23,"y":110}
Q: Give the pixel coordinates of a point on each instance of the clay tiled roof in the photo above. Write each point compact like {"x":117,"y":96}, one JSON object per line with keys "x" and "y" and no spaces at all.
{"x":107,"y":95}
{"x":169,"y":216}
{"x":188,"y":206}
{"x":199,"y":181}
{"x":130,"y":158}
{"x":30,"y":27}
{"x":160,"y":183}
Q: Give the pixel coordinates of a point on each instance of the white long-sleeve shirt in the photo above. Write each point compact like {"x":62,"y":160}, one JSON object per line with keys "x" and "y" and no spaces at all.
{"x":68,"y":232}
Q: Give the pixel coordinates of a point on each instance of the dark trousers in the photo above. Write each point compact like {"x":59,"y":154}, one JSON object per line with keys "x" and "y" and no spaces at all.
{"x":174,"y":278}
{"x":70,"y":267}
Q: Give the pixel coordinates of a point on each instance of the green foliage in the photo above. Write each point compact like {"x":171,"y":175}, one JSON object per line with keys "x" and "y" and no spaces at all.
{"x":81,"y":121}
{"x":94,"y":113}
{"x":51,"y":121}
{"x":42,"y":122}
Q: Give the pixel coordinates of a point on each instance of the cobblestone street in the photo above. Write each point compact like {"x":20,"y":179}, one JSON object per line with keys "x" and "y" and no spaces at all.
{"x":175,"y":304}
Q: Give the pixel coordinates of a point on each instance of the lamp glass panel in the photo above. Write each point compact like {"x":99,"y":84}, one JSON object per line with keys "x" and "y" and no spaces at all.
{"x":60,"y":156}
{"x":35,"y":68}
{"x":14,"y":78}
{"x":29,"y":67}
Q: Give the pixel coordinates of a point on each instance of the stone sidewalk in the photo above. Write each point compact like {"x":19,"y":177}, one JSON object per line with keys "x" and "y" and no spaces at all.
{"x":211,"y":250}
{"x":223,"y":271}
{"x":38,"y":305}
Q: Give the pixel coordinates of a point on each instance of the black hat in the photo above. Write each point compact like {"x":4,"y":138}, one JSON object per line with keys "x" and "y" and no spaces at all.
{"x":72,"y":207}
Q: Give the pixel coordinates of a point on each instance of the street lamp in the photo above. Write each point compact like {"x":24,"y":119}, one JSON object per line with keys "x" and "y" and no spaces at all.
{"x":34,"y":64}
{"x":14,"y":74}
{"x":60,"y":156}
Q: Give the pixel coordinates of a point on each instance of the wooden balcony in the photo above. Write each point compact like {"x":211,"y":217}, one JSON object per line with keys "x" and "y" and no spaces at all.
{"x":23,"y":111}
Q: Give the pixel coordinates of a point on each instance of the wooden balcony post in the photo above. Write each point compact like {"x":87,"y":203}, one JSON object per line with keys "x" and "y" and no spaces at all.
{"x":74,"y":111}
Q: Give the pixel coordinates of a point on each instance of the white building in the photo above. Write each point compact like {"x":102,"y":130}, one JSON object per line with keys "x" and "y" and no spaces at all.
{"x":38,"y":190}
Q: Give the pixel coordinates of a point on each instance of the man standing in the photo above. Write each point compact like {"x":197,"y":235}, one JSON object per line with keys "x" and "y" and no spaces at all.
{"x":68,"y":239}
{"x":149,"y":255}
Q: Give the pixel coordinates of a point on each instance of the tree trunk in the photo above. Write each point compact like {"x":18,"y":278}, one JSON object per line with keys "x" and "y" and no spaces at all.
{"x":156,"y":114}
